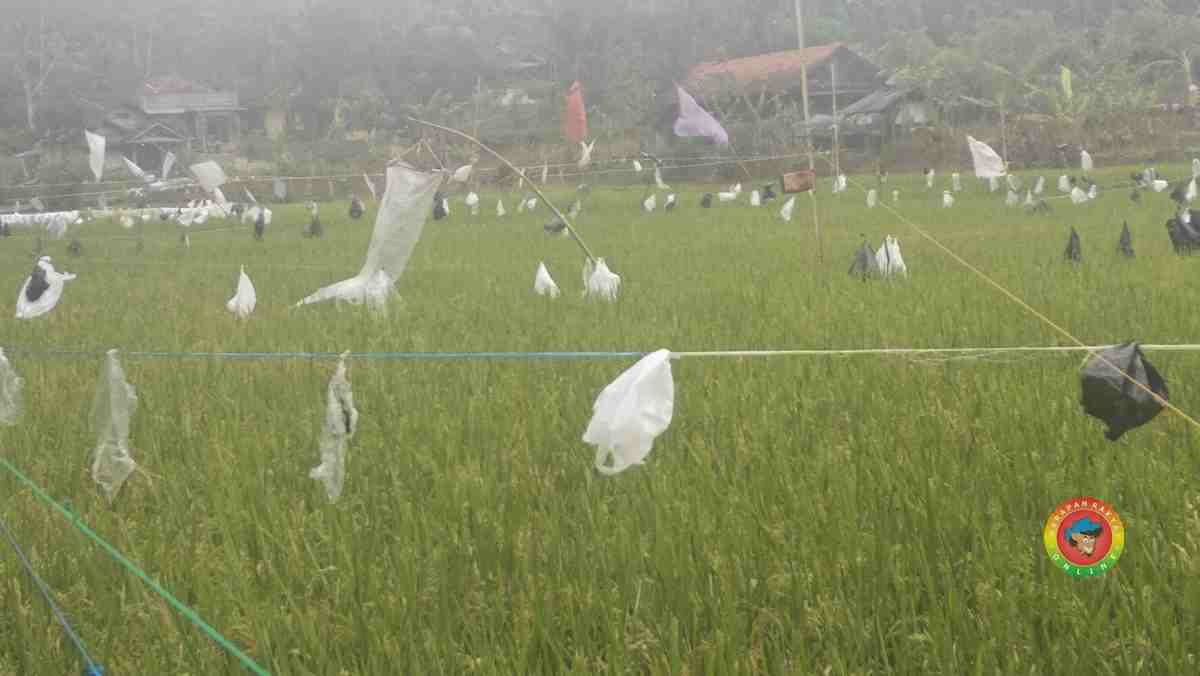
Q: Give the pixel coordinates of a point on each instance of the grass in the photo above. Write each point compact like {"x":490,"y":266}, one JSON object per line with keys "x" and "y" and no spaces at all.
{"x":867,"y":515}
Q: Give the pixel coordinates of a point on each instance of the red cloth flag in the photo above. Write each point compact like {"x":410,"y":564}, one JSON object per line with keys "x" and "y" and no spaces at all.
{"x":575,"y":126}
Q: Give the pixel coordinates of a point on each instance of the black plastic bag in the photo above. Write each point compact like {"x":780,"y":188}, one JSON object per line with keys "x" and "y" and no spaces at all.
{"x":1111,"y":397}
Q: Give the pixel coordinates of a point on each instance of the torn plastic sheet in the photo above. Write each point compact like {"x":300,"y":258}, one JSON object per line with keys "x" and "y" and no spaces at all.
{"x":398,"y":225}
{"x":341,"y":421}
{"x":112,"y":409}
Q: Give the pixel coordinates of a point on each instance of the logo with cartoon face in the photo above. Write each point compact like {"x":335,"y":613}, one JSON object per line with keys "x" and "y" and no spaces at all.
{"x":1084,"y":537}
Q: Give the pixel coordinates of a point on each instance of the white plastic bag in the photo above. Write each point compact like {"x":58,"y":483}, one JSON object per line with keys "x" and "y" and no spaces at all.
{"x":245,"y":299}
{"x":840,"y":183}
{"x":1040,"y":186}
{"x":112,"y":409}
{"x":1064,"y":185}
{"x":209,"y":175}
{"x":341,"y":422}
{"x":472,"y":202}
{"x":649,"y":204}
{"x":1094,"y":191}
{"x":658,"y":179}
{"x":30,"y":303}
{"x":585,"y":157}
{"x":726,"y":196}
{"x":96,"y":145}
{"x":889,"y":259}
{"x":755,"y":198}
{"x":543,"y":283}
{"x":637,"y":166}
{"x":500,"y":211}
{"x":895,"y":196}
{"x":398,"y":225}
{"x":600,"y":282}
{"x":947,"y":199}
{"x":955,"y":182}
{"x":988,"y":163}
{"x":788,"y":208}
{"x":1078,"y":196}
{"x":10,"y":393}
{"x":930,"y":177}
{"x":872,"y":198}
{"x":1085,"y":161}
{"x":630,"y":413}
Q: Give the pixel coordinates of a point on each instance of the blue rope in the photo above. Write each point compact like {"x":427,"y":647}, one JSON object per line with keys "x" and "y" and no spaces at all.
{"x":92,"y":669}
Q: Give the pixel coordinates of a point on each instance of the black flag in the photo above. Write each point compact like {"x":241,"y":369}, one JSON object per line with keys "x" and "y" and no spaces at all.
{"x":1074,"y":252}
{"x":1125,"y":246}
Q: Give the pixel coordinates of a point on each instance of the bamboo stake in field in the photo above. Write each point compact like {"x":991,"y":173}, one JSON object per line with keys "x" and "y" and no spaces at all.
{"x":561,"y":216}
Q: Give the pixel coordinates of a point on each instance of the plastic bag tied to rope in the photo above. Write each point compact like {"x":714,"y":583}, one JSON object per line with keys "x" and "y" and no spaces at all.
{"x":341,"y":421}
{"x":11,"y":385}
{"x":112,"y":409}
{"x":631,"y":413}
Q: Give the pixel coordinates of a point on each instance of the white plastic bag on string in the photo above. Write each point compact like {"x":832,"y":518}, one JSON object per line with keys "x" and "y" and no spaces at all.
{"x":112,"y":409}
{"x":11,"y":402}
{"x":599,"y":281}
{"x":245,"y":299}
{"x":955,"y":182}
{"x":37,"y":299}
{"x":929,"y":177}
{"x":1094,"y":191}
{"x":1064,"y":185}
{"x":789,"y":207}
{"x":637,"y":166}
{"x":840,"y":184}
{"x":209,"y":175}
{"x":947,"y":200}
{"x":543,"y":283}
{"x":399,"y":222}
{"x":1040,"y":186}
{"x":889,"y":260}
{"x":872,"y":198}
{"x":755,"y":198}
{"x":1085,"y":161}
{"x":341,"y":422}
{"x":585,"y":157}
{"x":96,"y":145}
{"x":500,"y":211}
{"x":472,"y":202}
{"x":650,"y":203}
{"x":631,"y":413}
{"x":1078,"y":196}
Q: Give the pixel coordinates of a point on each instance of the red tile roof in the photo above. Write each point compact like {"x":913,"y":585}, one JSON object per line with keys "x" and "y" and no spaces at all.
{"x":760,"y":68}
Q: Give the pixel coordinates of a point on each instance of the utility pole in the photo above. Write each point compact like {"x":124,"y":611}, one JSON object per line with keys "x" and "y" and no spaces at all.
{"x":812,"y":162}
{"x":804,"y":81}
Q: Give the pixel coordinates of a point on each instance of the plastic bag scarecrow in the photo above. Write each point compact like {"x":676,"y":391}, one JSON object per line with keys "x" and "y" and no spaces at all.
{"x":245,"y":299}
{"x":341,"y":421}
{"x":630,"y":413}
{"x":42,"y":290}
{"x":1111,"y":397}
{"x":398,"y":225}
{"x":543,"y":283}
{"x":10,"y":393}
{"x":114,"y":405}
{"x":599,"y":281}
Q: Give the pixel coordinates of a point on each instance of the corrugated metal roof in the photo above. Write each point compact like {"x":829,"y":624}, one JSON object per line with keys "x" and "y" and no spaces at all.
{"x":753,"y":69}
{"x":875,"y":102}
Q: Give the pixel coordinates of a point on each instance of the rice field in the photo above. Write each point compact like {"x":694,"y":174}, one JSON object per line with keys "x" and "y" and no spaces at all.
{"x":802,"y":515}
